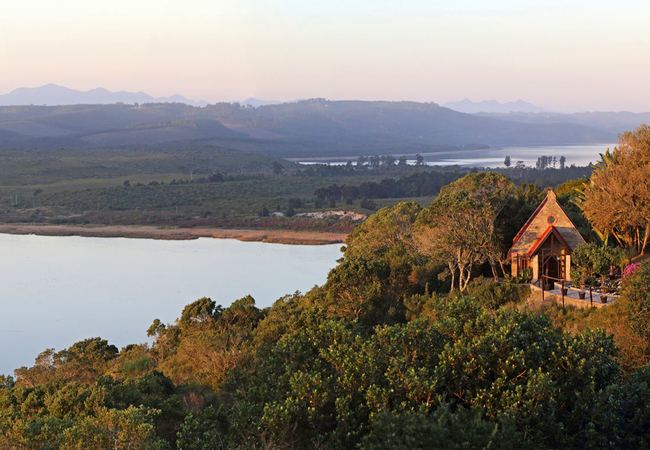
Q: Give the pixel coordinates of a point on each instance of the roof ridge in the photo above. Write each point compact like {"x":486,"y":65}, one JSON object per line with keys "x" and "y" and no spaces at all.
{"x":551,"y":229}
{"x":528,"y":222}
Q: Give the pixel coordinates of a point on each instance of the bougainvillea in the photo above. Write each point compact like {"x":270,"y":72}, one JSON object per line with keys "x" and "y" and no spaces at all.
{"x":630,"y":269}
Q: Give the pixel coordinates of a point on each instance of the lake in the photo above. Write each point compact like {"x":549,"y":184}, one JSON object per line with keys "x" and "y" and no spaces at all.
{"x":580,"y":155}
{"x":55,"y":291}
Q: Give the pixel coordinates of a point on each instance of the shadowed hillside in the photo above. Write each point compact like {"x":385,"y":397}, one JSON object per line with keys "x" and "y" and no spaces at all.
{"x":314,"y":127}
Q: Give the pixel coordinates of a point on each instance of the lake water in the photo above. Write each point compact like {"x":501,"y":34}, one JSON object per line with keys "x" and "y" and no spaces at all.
{"x":55,"y":291}
{"x":580,"y":155}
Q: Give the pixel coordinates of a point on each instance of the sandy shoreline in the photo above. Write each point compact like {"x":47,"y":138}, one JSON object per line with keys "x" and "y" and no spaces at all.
{"x":150,"y":232}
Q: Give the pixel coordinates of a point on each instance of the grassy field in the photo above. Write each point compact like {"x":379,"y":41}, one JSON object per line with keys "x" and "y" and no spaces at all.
{"x":239,"y":203}
{"x":73,"y":168}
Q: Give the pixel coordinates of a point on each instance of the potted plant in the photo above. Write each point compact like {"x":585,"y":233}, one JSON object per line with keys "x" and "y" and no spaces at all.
{"x":590,"y":282}
{"x":612,"y":286}
{"x":582,"y":269}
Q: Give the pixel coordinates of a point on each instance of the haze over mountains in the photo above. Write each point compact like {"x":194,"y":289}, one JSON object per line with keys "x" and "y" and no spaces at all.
{"x":615,"y":122}
{"x":316,"y":127}
{"x":305,"y":128}
{"x":492,"y":106}
{"x":52,"y":94}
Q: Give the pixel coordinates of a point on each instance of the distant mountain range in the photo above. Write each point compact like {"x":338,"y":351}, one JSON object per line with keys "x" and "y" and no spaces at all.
{"x":255,"y":102}
{"x":616,"y":122}
{"x":52,"y":94}
{"x":306,"y":128}
{"x":492,"y":106}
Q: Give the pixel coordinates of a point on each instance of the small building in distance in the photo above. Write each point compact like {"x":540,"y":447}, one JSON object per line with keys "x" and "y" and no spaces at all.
{"x":545,"y":242}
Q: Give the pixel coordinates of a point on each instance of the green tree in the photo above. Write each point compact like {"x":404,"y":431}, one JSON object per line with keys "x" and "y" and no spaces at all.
{"x":277,"y":168}
{"x":617,"y":197}
{"x":199,"y":311}
{"x":459,"y":228}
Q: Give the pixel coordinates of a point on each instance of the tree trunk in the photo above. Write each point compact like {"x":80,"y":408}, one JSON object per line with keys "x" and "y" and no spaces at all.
{"x":503,"y":270}
{"x":461,"y":271}
{"x":453,"y":277}
{"x":645,"y":239}
{"x":495,"y":274}
{"x":464,"y":280}
{"x":617,"y":239}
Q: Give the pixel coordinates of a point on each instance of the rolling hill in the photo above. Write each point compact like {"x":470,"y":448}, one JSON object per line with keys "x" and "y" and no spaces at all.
{"x":315,"y":127}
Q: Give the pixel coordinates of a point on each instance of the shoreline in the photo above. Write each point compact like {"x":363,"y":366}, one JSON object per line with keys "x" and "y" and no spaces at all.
{"x":152,"y":232}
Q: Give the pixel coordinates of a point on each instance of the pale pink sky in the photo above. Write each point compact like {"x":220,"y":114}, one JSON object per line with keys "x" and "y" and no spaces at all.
{"x":563,"y":55}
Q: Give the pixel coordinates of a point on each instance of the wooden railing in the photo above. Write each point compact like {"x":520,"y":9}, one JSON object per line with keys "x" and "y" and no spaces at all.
{"x":565,"y":285}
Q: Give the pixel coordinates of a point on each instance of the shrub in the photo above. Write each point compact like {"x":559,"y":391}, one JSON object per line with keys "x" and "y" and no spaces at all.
{"x":368,"y":204}
{"x":636,"y":289}
{"x":630,"y":269}
{"x":493,"y":295}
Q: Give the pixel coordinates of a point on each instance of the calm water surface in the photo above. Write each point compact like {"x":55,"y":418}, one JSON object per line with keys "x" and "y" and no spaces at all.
{"x":580,"y":155}
{"x":55,"y":291}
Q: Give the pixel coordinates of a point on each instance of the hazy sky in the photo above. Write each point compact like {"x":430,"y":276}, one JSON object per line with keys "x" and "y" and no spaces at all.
{"x":564,"y":55}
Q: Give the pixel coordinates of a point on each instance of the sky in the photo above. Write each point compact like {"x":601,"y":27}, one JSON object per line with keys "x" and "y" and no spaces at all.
{"x":570,"y":55}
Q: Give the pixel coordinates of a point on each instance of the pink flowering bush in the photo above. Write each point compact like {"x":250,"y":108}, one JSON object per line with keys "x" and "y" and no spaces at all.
{"x":630,"y":269}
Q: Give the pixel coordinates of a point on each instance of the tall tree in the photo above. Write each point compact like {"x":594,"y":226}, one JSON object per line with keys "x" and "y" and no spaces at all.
{"x":459,"y":228}
{"x":617,"y":197}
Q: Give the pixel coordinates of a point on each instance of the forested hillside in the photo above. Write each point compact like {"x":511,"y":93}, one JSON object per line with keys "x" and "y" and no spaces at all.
{"x":316,"y":127}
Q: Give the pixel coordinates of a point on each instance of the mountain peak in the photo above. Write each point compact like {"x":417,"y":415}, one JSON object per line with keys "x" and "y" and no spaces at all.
{"x":53,"y":94}
{"x":256,"y":102}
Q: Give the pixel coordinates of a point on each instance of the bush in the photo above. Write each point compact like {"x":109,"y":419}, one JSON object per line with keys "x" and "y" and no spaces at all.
{"x":368,"y":204}
{"x":526,"y":277}
{"x":493,"y":295}
{"x":593,"y":259}
{"x":442,"y":428}
{"x":636,"y":289}
{"x":630,"y":269}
